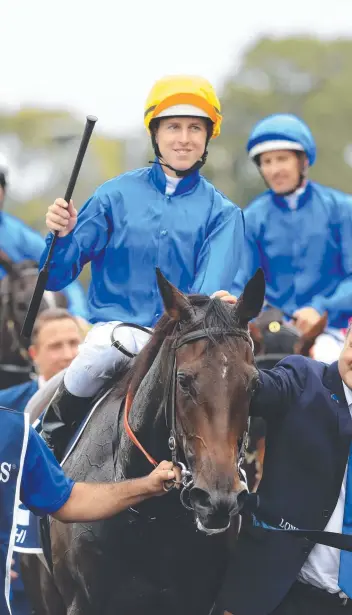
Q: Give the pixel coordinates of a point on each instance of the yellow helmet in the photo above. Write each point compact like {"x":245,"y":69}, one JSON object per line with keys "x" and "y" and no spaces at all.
{"x":183,"y":95}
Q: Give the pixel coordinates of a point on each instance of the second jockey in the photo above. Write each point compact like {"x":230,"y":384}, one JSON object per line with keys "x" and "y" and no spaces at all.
{"x":166,"y":216}
{"x":299,"y":232}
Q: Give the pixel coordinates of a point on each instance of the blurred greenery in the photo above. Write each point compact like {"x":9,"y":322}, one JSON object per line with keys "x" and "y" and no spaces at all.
{"x":305,"y":76}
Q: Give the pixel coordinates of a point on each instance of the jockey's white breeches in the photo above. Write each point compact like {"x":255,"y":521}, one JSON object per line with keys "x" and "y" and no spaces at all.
{"x":97,"y":360}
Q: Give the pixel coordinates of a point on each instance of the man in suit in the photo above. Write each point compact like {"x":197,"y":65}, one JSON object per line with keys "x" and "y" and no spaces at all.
{"x":308,"y":483}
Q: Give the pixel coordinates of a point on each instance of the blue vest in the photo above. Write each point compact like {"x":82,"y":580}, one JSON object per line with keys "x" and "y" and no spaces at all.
{"x":13,"y":444}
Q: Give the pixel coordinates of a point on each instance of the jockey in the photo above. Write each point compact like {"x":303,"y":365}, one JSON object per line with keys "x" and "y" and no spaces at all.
{"x":20,"y":242}
{"x":166,"y":216}
{"x":299,"y":232}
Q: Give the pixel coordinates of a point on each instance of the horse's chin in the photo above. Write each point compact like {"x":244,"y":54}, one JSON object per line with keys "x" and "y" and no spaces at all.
{"x":211,"y":530}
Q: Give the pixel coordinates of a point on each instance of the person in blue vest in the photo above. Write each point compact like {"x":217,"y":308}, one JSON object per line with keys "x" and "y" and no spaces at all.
{"x":55,"y":343}
{"x":299,"y":232}
{"x":165,"y":216}
{"x":307,"y":483}
{"x":20,"y":242}
{"x":30,"y":473}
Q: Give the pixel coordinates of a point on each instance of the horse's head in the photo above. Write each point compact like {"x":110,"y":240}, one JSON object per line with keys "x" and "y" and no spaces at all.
{"x":214,"y":379}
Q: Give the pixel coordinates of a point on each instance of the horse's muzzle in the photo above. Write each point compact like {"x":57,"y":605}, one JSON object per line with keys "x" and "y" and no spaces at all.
{"x":214,"y":510}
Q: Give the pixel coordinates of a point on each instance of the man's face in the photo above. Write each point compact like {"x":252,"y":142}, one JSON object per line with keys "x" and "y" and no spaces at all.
{"x":345,"y":361}
{"x":181,"y":141}
{"x":56,"y":346}
{"x":281,"y":170}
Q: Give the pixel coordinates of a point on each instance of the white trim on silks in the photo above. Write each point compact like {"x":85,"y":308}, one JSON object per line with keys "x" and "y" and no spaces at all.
{"x":273,"y":146}
{"x":182,"y":110}
{"x":16,"y":505}
{"x":33,"y":551}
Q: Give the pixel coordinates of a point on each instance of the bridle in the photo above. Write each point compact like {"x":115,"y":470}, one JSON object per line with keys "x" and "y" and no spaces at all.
{"x":169,"y":399}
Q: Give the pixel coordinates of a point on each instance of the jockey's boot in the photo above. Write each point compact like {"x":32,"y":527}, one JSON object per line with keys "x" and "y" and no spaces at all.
{"x":62,"y":418}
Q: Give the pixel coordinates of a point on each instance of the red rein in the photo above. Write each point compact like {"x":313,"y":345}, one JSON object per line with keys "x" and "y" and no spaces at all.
{"x":131,"y":435}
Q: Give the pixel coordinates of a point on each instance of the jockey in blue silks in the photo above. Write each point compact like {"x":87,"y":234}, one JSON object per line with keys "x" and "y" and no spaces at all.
{"x":299,"y":232}
{"x":166,"y":216}
{"x":20,"y":242}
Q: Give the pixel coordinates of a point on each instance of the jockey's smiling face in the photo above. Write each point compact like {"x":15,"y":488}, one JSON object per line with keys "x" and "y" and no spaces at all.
{"x":345,"y":361}
{"x":181,"y":141}
{"x":281,"y":170}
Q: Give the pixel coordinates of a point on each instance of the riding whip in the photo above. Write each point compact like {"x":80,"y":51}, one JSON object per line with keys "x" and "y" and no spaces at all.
{"x":44,"y":272}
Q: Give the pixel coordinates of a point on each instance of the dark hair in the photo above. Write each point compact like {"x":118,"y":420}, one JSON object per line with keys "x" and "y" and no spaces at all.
{"x":2,"y":180}
{"x":48,"y":316}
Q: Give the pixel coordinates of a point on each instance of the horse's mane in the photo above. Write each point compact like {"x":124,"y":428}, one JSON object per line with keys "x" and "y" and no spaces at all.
{"x":212,"y":313}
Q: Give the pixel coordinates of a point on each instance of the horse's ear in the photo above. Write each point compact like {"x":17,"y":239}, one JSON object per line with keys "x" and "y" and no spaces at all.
{"x":251,"y":301}
{"x":176,"y":303}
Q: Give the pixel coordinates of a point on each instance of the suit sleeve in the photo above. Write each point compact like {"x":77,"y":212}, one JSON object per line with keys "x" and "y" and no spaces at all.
{"x":279,"y":387}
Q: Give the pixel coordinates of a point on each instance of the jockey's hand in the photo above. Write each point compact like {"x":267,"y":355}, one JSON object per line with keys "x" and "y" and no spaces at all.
{"x":306,"y":318}
{"x":224,"y":296}
{"x":61,"y":217}
{"x":161,"y":479}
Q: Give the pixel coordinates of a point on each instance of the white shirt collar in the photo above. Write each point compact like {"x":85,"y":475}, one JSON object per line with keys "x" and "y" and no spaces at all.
{"x":41,"y":382}
{"x":348,"y":394}
{"x":171,"y":184}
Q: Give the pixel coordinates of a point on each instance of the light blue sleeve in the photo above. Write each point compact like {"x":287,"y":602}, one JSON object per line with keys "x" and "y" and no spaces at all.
{"x":44,"y":487}
{"x":341,"y":300}
{"x":72,"y":252}
{"x":250,"y":260}
{"x":77,"y":301}
{"x":220,"y":255}
{"x":32,"y":243}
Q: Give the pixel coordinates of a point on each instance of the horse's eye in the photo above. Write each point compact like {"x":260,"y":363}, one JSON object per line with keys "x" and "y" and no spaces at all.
{"x":185,"y":382}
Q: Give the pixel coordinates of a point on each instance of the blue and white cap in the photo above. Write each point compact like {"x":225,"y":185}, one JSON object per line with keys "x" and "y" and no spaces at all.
{"x":281,"y":132}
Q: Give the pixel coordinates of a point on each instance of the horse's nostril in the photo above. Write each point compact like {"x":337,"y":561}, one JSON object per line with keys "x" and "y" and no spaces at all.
{"x":200,"y":498}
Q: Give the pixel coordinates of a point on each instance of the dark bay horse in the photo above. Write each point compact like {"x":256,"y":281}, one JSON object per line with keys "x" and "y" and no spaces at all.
{"x":16,"y":289}
{"x":189,"y":393}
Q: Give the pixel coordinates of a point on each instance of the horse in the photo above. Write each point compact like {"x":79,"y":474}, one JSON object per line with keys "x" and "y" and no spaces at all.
{"x":274,"y":339}
{"x":187,"y":396}
{"x":16,"y":289}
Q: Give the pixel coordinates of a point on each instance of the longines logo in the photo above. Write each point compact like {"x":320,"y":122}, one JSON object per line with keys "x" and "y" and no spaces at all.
{"x":5,"y":469}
